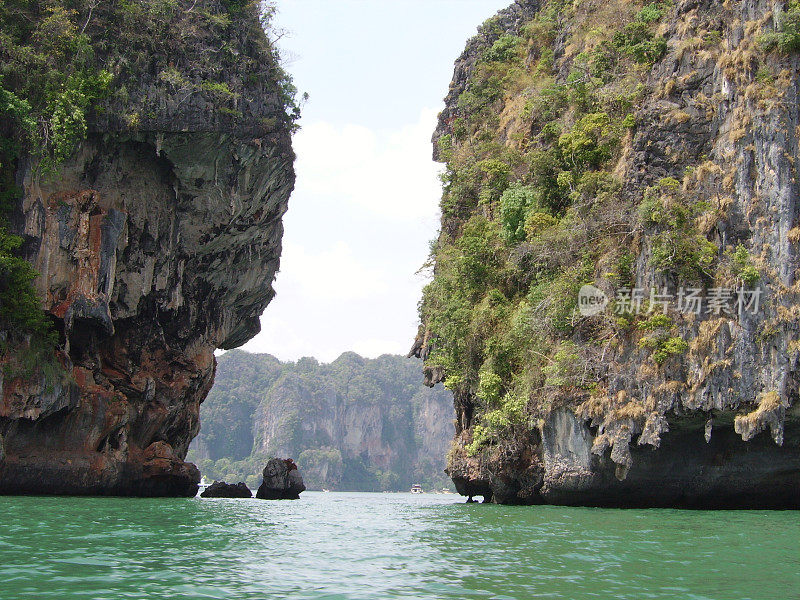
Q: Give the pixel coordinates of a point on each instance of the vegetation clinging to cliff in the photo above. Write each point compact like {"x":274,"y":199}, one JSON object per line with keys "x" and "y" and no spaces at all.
{"x":67,"y":65}
{"x":536,"y":137}
{"x":787,"y":39}
{"x":59,"y":61}
{"x":20,"y":309}
{"x":531,"y":206}
{"x":46,"y":86}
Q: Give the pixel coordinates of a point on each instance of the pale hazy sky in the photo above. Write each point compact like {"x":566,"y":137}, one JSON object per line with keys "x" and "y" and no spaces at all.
{"x":366,"y":201}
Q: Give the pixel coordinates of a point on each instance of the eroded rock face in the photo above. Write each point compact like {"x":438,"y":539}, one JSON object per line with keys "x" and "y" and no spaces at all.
{"x":150,"y":259}
{"x":717,"y":426}
{"x":684,"y":472}
{"x":155,"y":248}
{"x":282,"y":481}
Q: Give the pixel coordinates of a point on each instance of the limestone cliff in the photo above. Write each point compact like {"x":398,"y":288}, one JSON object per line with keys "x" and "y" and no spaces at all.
{"x":355,"y":424}
{"x":649,"y":150}
{"x":157,"y":241}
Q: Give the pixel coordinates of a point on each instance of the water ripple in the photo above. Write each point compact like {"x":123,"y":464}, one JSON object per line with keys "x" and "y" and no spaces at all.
{"x":385,"y":546}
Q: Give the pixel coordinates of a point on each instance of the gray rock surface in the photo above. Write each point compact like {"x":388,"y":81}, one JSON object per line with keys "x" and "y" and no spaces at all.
{"x":282,"y":481}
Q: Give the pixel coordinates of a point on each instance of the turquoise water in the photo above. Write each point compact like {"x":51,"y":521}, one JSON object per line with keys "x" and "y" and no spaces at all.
{"x":376,"y":546}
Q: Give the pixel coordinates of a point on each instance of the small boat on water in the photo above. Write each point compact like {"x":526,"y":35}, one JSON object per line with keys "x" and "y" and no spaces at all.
{"x":416,"y":489}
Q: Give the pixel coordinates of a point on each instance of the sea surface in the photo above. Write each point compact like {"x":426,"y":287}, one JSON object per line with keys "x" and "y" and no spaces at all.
{"x":385,"y":546}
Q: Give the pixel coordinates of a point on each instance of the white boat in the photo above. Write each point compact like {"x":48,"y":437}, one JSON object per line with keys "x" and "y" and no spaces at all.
{"x":416,"y":489}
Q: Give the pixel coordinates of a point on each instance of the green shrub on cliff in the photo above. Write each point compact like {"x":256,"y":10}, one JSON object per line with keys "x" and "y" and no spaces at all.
{"x":545,"y":165}
{"x":49,"y":64}
{"x":515,"y":204}
{"x":20,"y":308}
{"x":58,"y":56}
{"x":506,"y":48}
{"x":21,"y":316}
{"x":650,"y":13}
{"x":548,"y":105}
{"x":497,"y":422}
{"x":590,"y":142}
{"x":235,"y":5}
{"x":676,"y":244}
{"x":743,"y":266}
{"x":787,"y":39}
{"x":47,"y":85}
{"x":637,"y":39}
{"x":660,"y":338}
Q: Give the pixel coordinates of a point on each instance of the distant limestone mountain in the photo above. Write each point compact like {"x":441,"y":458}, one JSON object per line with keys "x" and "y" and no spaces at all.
{"x":355,"y":424}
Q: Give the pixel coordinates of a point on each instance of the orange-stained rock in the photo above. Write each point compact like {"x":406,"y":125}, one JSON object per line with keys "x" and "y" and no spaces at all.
{"x":155,"y":248}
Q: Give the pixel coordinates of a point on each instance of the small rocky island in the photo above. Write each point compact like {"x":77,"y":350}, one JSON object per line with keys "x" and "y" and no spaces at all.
{"x":282,"y":481}
{"x":220,"y":489}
